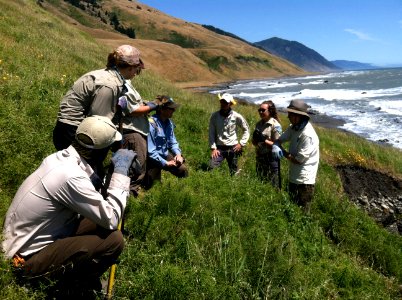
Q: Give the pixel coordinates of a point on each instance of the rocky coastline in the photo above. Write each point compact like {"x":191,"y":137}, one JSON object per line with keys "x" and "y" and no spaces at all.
{"x":378,"y":194}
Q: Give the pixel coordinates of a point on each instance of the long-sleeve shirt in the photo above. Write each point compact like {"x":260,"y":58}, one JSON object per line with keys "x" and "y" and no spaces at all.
{"x":48,"y":204}
{"x":137,"y":123}
{"x":223,"y":130}
{"x":94,"y":93}
{"x":304,"y":147}
{"x":161,"y":140}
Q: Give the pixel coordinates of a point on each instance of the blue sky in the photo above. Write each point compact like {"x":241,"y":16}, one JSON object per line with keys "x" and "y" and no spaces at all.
{"x":368,"y":31}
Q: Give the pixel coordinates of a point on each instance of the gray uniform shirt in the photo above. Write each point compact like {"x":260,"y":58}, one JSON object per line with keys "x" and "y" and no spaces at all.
{"x":95,"y":93}
{"x":223,"y":130}
{"x":49,"y":202}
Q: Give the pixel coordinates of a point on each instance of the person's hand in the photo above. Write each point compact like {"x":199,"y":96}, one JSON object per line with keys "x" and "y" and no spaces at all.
{"x":237,"y":148}
{"x":171,"y":163}
{"x":122,"y":160}
{"x":122,"y":102}
{"x":178,"y":160}
{"x":215,"y":153}
{"x":152,"y":105}
{"x":277,"y":152}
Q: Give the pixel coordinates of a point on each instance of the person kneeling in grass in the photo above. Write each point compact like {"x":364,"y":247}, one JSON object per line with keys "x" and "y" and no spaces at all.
{"x":163,"y":149}
{"x":59,"y":227}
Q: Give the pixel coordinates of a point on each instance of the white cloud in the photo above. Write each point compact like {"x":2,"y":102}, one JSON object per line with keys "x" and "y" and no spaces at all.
{"x":360,"y":35}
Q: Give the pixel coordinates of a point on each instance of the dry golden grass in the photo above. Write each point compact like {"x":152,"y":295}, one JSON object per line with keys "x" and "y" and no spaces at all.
{"x":183,"y":66}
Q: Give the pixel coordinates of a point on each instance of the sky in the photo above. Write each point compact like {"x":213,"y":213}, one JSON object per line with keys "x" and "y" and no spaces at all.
{"x":367,"y":31}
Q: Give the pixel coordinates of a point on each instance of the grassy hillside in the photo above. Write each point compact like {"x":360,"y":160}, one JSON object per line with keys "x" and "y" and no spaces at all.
{"x":208,"y":236}
{"x":184,"y":53}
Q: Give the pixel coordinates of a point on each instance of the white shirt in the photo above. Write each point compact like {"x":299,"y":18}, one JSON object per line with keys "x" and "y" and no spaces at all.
{"x":49,"y":202}
{"x":304,"y":147}
{"x":223,"y":131}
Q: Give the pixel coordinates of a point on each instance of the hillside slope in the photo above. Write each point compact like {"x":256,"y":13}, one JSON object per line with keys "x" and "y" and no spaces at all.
{"x":184,"y":53}
{"x":208,"y":236}
{"x":297,"y":53}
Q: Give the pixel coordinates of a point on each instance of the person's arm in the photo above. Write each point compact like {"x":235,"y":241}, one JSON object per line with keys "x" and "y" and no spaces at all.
{"x":212,"y":134}
{"x":246,"y":131}
{"x":173,"y":144}
{"x":213,"y":137}
{"x":304,"y":150}
{"x":79,"y":194}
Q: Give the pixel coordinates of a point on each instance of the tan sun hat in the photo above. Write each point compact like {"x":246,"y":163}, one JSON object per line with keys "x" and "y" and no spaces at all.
{"x":129,"y":55}
{"x":298,"y":107}
{"x":97,"y":132}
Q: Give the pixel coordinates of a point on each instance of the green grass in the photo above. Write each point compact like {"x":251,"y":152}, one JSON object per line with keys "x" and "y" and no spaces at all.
{"x":208,"y":236}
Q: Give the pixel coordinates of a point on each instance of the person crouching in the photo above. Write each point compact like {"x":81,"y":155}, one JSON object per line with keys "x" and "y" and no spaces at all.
{"x":58,"y":223}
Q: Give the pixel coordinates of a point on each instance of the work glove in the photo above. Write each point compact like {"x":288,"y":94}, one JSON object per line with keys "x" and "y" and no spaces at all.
{"x":122,"y":102}
{"x":152,"y":105}
{"x":122,"y":160}
{"x":277,"y":152}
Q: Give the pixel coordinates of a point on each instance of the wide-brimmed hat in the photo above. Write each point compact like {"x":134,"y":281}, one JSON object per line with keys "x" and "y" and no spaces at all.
{"x":227,"y":97}
{"x":298,"y":107}
{"x":97,"y":132}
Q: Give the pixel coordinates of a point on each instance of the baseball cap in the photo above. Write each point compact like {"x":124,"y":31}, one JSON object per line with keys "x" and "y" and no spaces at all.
{"x":167,"y":102}
{"x":97,"y":132}
{"x":227,"y":97}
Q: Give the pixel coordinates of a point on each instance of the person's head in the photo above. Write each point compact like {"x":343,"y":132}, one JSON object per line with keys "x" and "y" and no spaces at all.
{"x":126,"y":59}
{"x":267,"y":110}
{"x":167,"y":106}
{"x":226,"y":101}
{"x":297,"y":112}
{"x":95,"y":133}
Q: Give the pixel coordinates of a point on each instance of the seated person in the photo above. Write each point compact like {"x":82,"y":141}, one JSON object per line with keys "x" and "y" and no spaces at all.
{"x":163,"y":148}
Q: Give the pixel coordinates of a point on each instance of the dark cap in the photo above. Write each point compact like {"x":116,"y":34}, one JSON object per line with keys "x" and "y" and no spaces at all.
{"x":298,"y":107}
{"x":167,"y":102}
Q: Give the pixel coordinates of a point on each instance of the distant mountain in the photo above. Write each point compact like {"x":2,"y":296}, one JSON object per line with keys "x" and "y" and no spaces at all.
{"x":353,"y":65}
{"x":297,"y":53}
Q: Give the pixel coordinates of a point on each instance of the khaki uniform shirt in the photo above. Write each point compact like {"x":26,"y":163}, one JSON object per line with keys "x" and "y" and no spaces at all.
{"x":95,"y":93}
{"x":271,"y":130}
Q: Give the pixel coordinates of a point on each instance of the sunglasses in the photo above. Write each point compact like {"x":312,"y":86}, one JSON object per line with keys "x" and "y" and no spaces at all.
{"x":261,"y":110}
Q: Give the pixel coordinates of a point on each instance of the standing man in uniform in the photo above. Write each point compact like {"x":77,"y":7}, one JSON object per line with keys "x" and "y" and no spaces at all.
{"x":223,"y":134}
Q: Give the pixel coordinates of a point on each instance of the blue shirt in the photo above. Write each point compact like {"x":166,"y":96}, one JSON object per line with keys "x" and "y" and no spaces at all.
{"x":161,"y":140}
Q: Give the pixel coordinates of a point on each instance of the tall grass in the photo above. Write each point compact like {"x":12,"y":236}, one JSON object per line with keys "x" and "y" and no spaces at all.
{"x":208,"y":236}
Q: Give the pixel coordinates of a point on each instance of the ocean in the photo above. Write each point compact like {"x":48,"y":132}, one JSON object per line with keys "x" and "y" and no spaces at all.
{"x":369,"y":102}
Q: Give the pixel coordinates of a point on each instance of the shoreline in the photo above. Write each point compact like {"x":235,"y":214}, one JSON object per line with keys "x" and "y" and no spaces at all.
{"x":318,"y":119}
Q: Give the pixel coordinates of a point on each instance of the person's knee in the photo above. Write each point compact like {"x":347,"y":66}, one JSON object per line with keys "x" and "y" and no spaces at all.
{"x":116,"y":242}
